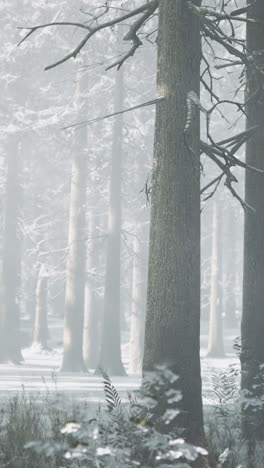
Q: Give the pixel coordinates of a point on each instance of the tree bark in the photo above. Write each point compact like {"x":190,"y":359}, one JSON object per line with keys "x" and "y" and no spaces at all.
{"x":215,"y":341}
{"x":75,"y":276}
{"x":10,"y":349}
{"x":173,"y":303}
{"x":230,"y":302}
{"x":138,"y":304}
{"x":110,"y":352}
{"x":41,"y":332}
{"x":91,"y":315}
{"x":252,"y":326}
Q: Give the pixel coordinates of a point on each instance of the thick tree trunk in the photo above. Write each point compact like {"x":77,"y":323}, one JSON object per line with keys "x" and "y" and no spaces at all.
{"x":215,"y":341}
{"x":110,"y":352}
{"x":41,"y":332}
{"x":252,"y":327}
{"x":10,"y":349}
{"x":173,"y":306}
{"x":91,"y":315}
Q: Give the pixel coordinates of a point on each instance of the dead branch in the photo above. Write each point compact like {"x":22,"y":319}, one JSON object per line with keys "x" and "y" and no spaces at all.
{"x":43,"y":26}
{"x":240,"y":11}
{"x":202,"y":11}
{"x":132,"y":36}
{"x":223,"y":153}
{"x":84,"y":123}
{"x":147,"y":9}
{"x":225,"y":150}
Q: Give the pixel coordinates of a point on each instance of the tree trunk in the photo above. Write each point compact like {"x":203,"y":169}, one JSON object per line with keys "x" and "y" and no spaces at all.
{"x":230,"y":302}
{"x":75,"y":276}
{"x":91,"y":316}
{"x":252,"y":327}
{"x":3,"y":336}
{"x":173,"y":305}
{"x":138,"y":305}
{"x":10,"y":349}
{"x":40,"y":332}
{"x":110,"y":352}
{"x":215,"y":342}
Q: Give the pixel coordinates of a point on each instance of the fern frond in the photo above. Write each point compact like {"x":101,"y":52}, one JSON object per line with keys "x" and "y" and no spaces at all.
{"x":112,"y":397}
{"x":225,"y":390}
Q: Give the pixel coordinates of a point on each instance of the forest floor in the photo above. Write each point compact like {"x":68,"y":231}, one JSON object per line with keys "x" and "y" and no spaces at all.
{"x":40,"y":372}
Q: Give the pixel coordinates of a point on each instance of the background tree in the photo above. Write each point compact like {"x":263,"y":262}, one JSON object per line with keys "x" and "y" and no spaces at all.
{"x":11,"y":351}
{"x":232,"y":265}
{"x":110,"y":353}
{"x":91,"y":335}
{"x":215,"y":340}
{"x":40,"y":331}
{"x":75,"y":280}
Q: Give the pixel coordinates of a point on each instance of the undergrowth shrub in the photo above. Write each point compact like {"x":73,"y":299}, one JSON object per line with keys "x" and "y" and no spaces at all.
{"x":48,"y":432}
{"x":222,"y":421}
{"x":26,"y":417}
{"x":125,"y":435}
{"x":20,"y":423}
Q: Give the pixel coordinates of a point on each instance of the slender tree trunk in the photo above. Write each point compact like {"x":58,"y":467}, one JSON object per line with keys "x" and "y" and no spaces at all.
{"x":3,"y":336}
{"x":91,"y":316}
{"x":138,"y":305}
{"x":30,"y":301}
{"x":10,"y":349}
{"x":137,"y":311}
{"x":215,"y":342}
{"x":75,"y":276}
{"x":230,"y":303}
{"x":41,"y":332}
{"x":252,"y":327}
{"x":110,"y":353}
{"x":172,"y":330}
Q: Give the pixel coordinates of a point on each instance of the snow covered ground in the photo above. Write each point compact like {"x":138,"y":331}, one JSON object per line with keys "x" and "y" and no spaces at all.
{"x":40,"y":372}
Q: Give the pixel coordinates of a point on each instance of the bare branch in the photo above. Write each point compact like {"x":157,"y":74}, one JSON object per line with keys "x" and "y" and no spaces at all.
{"x":230,"y":64}
{"x":240,"y":11}
{"x":43,"y":26}
{"x":201,"y":11}
{"x":135,"y":45}
{"x":216,"y":181}
{"x":147,"y":9}
{"x":132,"y":36}
{"x":98,"y":119}
{"x":244,"y":205}
{"x":222,"y":153}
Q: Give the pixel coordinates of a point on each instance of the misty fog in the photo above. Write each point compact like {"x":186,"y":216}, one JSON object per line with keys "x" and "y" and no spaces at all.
{"x":132,"y":233}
